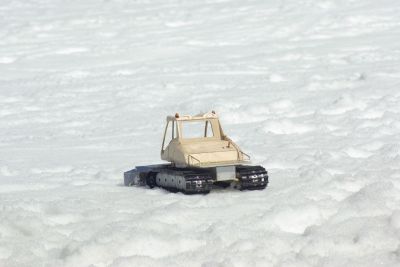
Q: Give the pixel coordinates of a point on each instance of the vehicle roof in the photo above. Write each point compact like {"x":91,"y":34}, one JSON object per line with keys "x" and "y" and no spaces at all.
{"x":201,"y":116}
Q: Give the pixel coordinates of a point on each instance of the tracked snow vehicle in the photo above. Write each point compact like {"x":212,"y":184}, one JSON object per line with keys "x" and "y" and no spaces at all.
{"x":201,"y":157}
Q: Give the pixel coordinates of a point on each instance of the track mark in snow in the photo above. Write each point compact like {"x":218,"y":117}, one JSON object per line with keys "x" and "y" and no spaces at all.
{"x":297,"y":219}
{"x":373,"y":146}
{"x":287,"y":127}
{"x":5,"y":171}
{"x":72,"y":50}
{"x":395,"y":219}
{"x":7,"y":60}
{"x":276,"y":78}
{"x":177,"y":23}
{"x":124,"y":72}
{"x":282,"y":105}
{"x":77,"y":74}
{"x":358,"y":153}
{"x":5,"y":252}
{"x":14,"y":188}
{"x":62,"y":219}
{"x":372,"y":114}
{"x":344,"y":104}
{"x":60,"y":169}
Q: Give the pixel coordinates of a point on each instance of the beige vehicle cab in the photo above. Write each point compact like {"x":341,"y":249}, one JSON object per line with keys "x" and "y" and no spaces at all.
{"x":199,"y":141}
{"x":201,"y":158}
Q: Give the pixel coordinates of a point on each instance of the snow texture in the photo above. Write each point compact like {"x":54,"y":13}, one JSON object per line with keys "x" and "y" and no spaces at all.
{"x":309,"y":88}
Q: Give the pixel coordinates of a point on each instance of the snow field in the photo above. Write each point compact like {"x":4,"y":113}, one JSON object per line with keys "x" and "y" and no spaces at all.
{"x":310,"y":89}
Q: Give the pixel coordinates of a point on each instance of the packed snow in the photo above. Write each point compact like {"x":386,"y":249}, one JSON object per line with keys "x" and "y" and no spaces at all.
{"x":309,"y":88}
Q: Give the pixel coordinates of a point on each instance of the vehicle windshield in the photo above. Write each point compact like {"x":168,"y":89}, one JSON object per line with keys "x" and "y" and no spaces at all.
{"x":196,"y":129}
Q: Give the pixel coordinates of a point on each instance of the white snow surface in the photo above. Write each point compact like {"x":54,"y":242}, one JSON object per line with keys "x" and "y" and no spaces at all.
{"x":309,"y":88}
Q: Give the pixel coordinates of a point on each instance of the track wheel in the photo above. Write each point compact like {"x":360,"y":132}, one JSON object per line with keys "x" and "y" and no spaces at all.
{"x":238,"y":185}
{"x":151,"y":179}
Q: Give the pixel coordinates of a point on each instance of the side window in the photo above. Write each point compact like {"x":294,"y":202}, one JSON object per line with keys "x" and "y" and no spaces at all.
{"x":169,"y":134}
{"x":208,"y":130}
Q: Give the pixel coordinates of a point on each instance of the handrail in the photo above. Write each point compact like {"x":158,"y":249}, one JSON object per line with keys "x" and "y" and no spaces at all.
{"x":198,"y":163}
{"x":218,"y":163}
{"x":237,"y":148}
{"x":244,"y":154}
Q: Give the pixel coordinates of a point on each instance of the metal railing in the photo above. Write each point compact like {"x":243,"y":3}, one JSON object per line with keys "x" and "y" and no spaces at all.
{"x":246,"y":155}
{"x":192,"y":160}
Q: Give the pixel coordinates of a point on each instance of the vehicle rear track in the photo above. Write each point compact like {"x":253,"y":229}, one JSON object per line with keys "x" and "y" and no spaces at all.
{"x":202,"y":181}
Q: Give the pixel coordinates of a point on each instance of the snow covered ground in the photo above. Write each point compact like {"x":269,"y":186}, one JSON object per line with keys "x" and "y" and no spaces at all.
{"x":309,"y":88}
